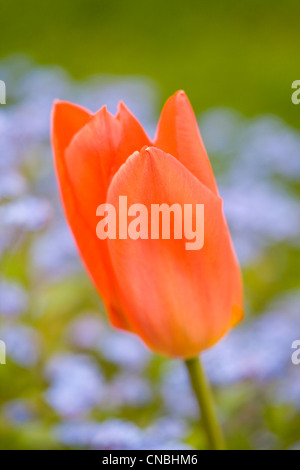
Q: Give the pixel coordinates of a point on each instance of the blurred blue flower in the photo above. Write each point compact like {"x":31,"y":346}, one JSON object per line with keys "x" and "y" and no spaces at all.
{"x":28,"y":214}
{"x":288,"y":389}
{"x":54,"y":255}
{"x":220,"y":129}
{"x":86,"y":330}
{"x":78,"y":434}
{"x":259,"y":214}
{"x":258,"y":211}
{"x":167,"y":429}
{"x":113,"y":434}
{"x":269,"y":146}
{"x":129,"y":390}
{"x":22,"y":344}
{"x":12,"y":185}
{"x":260,"y":147}
{"x":175,"y":383}
{"x":18,"y":412}
{"x":117,"y":434}
{"x":259,"y":349}
{"x":13,"y":299}
{"x":76,"y":384}
{"x":124,"y":349}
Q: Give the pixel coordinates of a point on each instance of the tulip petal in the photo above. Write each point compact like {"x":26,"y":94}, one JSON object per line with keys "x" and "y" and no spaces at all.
{"x":88,"y":150}
{"x":67,"y":119}
{"x":179,"y":302}
{"x":178,"y":134}
{"x":237,"y":316}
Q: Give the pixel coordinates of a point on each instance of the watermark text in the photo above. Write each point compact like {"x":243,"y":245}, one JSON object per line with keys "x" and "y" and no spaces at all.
{"x":296,"y":94}
{"x":2,"y":352}
{"x":178,"y":221}
{"x":296,"y":353}
{"x":2,"y":92}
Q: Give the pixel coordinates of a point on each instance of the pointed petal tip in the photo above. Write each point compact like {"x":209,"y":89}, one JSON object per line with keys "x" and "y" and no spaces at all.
{"x":66,"y":119}
{"x":144,"y":149}
{"x":63,"y":107}
{"x":57,"y":106}
{"x":103,"y":114}
{"x":58,"y":109}
{"x":102,"y":110}
{"x":121,"y":106}
{"x":177,"y":99}
{"x":122,"y":110}
{"x":57,"y":103}
{"x":181,"y":95}
{"x":150,"y":151}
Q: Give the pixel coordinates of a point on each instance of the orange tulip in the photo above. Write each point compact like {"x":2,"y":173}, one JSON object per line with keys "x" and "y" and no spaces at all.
{"x":179,"y":302}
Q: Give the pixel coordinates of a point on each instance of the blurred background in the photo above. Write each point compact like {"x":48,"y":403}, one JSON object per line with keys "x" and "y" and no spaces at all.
{"x":71,"y":380}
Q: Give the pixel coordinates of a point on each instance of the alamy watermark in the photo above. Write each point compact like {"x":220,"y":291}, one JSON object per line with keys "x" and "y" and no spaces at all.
{"x":296,"y":354}
{"x":2,"y":352}
{"x":178,"y":221}
{"x":2,"y":92}
{"x":296,"y":94}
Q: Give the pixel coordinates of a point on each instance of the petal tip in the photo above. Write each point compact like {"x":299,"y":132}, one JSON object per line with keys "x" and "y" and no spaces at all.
{"x":122,"y":110}
{"x":121,"y":106}
{"x":181,"y":95}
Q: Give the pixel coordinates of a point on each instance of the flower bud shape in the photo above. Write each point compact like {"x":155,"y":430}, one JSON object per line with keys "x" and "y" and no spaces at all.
{"x":179,"y":301}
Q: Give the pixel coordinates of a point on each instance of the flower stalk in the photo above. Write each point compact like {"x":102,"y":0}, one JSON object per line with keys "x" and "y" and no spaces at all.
{"x":204,"y":397}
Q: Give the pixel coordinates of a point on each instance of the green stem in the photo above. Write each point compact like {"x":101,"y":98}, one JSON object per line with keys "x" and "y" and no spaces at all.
{"x":203,"y":393}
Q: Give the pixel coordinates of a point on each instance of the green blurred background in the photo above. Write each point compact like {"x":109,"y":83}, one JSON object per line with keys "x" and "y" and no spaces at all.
{"x":242,"y":54}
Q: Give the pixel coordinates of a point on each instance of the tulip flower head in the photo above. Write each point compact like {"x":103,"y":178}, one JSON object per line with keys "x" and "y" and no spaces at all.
{"x":149,"y":224}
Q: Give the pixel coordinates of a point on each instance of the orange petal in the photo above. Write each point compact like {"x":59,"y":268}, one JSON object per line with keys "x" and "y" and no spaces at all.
{"x":67,"y":119}
{"x":237,"y":316}
{"x":180,"y":302}
{"x":178,"y":134}
{"x":88,"y":150}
